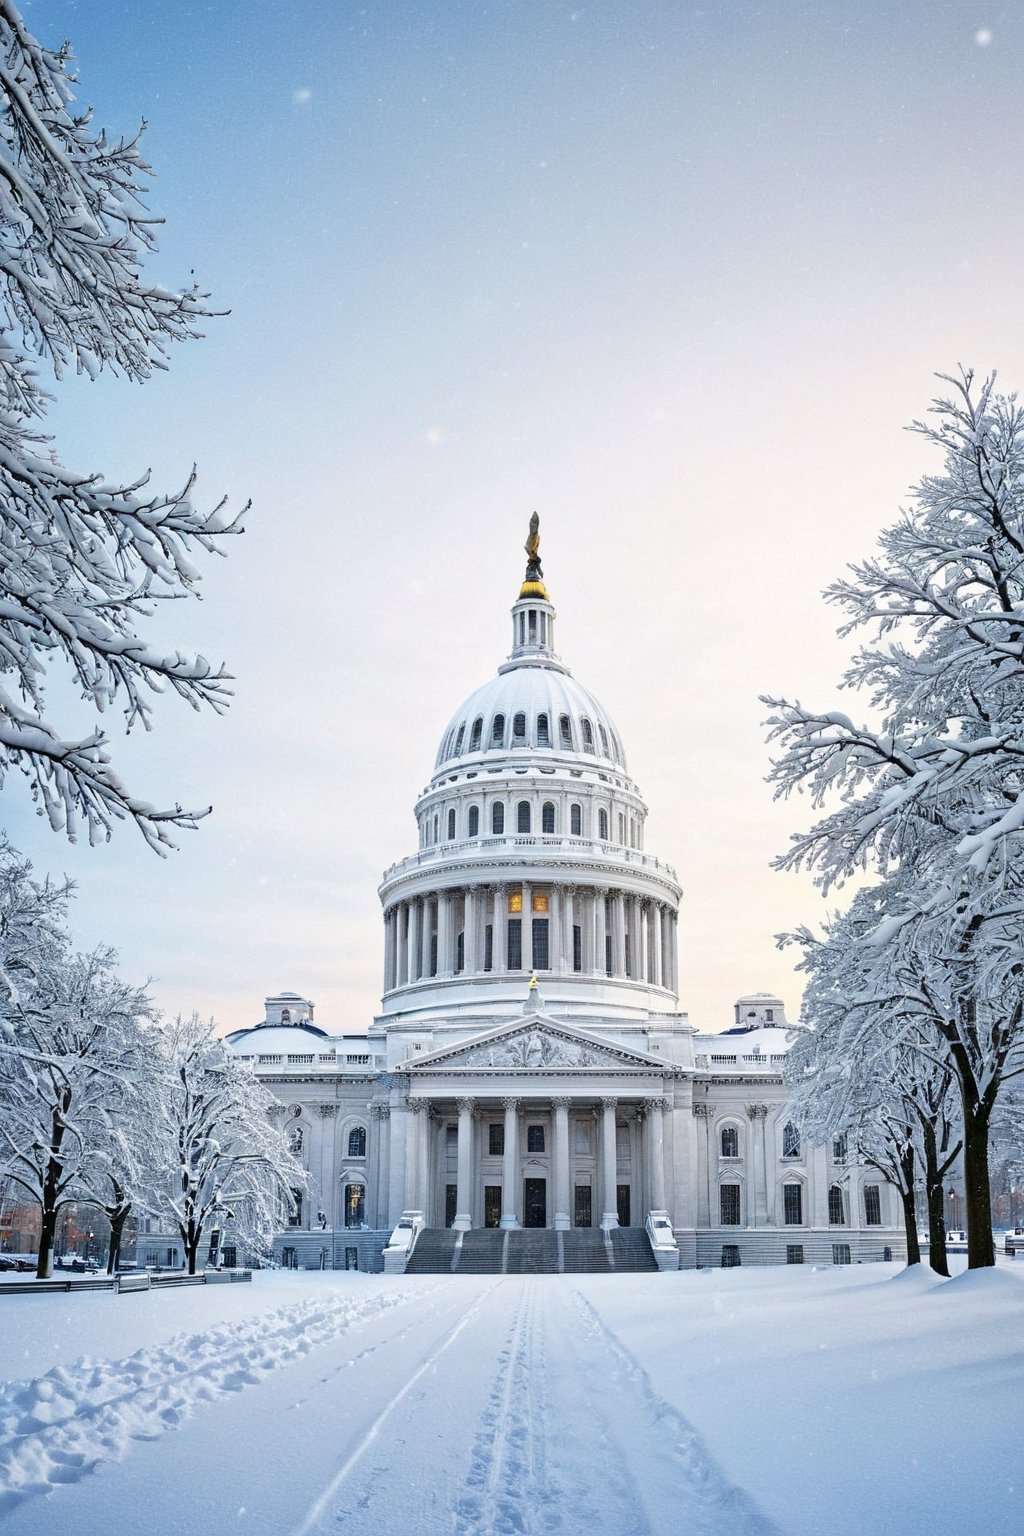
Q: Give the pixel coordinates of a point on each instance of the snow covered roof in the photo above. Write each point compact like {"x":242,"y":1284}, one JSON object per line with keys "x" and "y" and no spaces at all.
{"x":544,"y":697}
{"x":287,"y":1038}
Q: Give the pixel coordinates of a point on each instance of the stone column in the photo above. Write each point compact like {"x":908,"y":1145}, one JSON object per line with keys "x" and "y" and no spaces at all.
{"x":444,"y":934}
{"x":618,"y":934}
{"x":527,"y":927}
{"x":658,"y":946}
{"x":401,"y":944}
{"x":600,"y":965}
{"x":471,"y":961}
{"x":609,"y":1181}
{"x":817,"y":1168}
{"x":399,"y":1138}
{"x":757,"y":1201}
{"x":706,"y":1214}
{"x":464,"y":1192}
{"x":499,"y":940}
{"x":568,"y":926}
{"x":417,"y":920}
{"x":381,"y":1114}
{"x":561,"y":1164}
{"x":656,"y":1137}
{"x":555,"y":929}
{"x":510,"y":1166}
{"x":414,"y":1182}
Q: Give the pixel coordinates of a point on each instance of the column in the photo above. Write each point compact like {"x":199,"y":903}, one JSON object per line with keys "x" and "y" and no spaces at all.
{"x":618,"y":934}
{"x":402,"y":944}
{"x":510,"y":1166}
{"x":471,"y":961}
{"x":414,"y":1187}
{"x":568,"y":924}
{"x":600,"y":965}
{"x":658,"y":946}
{"x":382,"y":1116}
{"x":527,"y":917}
{"x":757,"y":1199}
{"x":817,"y":1168}
{"x":444,"y":934}
{"x":610,"y":1213}
{"x":706,"y":1214}
{"x":555,"y":930}
{"x":399,"y":1137}
{"x":563,"y":1219}
{"x":416,"y":911}
{"x":655,"y":1135}
{"x":464,"y":1187}
{"x":499,"y":941}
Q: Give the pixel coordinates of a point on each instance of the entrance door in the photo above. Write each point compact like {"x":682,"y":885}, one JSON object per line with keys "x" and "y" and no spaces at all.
{"x":492,"y":1205}
{"x":535,"y":1203}
{"x":451,"y":1195}
{"x":622,"y":1203}
{"x":583,"y":1216}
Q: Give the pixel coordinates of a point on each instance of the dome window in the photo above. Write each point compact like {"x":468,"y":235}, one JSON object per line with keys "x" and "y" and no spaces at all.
{"x":543,"y":734}
{"x":575,"y":821}
{"x":451,"y":826}
{"x":588,"y":734}
{"x":532,"y":625}
{"x":519,"y":730}
{"x":498,"y":731}
{"x":475,"y":734}
{"x":473,"y":828}
{"x":565,"y":732}
{"x":458,"y":739}
{"x":497,"y":819}
{"x":523,"y":816}
{"x":547,"y":818}
{"x":604,"y":741}
{"x":602,"y":825}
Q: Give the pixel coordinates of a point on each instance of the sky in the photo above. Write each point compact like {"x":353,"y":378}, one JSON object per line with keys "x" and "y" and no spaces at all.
{"x":676,"y":278}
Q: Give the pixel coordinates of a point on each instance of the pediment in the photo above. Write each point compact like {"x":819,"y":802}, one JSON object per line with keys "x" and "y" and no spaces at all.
{"x":534,"y":1044}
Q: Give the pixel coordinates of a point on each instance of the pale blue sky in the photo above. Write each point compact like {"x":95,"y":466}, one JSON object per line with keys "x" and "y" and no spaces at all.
{"x":675,"y":277}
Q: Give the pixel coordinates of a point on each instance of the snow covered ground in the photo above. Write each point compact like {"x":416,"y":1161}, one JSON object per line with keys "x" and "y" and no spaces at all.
{"x":792,"y":1400}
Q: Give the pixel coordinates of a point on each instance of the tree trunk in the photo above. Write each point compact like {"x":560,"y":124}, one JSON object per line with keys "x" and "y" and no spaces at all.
{"x":907,"y":1197}
{"x":192,"y":1235}
{"x":981,"y":1253}
{"x":117,"y":1221}
{"x":937,"y":1257}
{"x":47,"y":1234}
{"x":51,"y":1190}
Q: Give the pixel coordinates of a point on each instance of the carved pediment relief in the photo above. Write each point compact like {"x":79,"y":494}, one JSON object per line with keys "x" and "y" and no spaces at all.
{"x":535,"y":1045}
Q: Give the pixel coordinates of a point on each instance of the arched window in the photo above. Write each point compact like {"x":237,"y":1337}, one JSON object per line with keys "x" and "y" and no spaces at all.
{"x":458,"y":739}
{"x":576,"y":821}
{"x":436,"y":825}
{"x":519,"y":730}
{"x":588,"y":734}
{"x":474,"y":821}
{"x":565,"y":732}
{"x":286,"y":1015}
{"x":790,"y":1140}
{"x":497,"y":818}
{"x":543,"y":734}
{"x":357,"y":1141}
{"x":836,"y":1210}
{"x":451,"y":826}
{"x":730,"y":1141}
{"x":602,"y":825}
{"x":547,"y":818}
{"x":523,"y":816}
{"x":498,"y":731}
{"x":475,"y":734}
{"x":604,"y":740}
{"x":295,"y":1140}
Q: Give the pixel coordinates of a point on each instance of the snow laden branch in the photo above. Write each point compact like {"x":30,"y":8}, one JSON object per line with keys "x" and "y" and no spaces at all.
{"x":83,"y":562}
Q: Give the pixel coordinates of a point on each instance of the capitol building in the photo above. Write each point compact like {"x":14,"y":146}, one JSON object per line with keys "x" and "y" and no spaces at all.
{"x":530,"y":1095}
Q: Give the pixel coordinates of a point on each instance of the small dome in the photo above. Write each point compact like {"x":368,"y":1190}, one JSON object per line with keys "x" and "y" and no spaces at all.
{"x":531,"y":707}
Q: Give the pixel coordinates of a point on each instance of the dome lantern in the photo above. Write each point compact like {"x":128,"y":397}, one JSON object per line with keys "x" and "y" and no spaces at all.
{"x":533,"y":616}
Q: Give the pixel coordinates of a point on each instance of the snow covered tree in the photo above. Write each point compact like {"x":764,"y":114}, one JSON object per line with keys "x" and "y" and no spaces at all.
{"x":935,"y":789}
{"x":82,"y":561}
{"x":221,"y":1150}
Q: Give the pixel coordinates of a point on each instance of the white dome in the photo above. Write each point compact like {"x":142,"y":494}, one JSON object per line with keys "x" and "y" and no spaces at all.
{"x":530,"y":706}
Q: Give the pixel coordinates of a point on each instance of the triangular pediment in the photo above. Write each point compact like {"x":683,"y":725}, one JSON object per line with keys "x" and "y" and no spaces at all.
{"x":535,"y":1043}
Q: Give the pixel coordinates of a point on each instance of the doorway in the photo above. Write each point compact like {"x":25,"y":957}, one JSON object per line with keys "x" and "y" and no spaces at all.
{"x":583,"y":1209}
{"x":451,"y":1195}
{"x":622,"y":1204}
{"x":535,"y":1203}
{"x":492,"y":1205}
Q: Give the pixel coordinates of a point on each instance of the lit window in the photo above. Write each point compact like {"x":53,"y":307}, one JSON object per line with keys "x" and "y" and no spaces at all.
{"x":729,"y":1204}
{"x":357,"y":1142}
{"x":541,"y":902}
{"x":497,"y":818}
{"x":523,"y":816}
{"x":547,"y":817}
{"x":730,"y":1141}
{"x":543,"y":734}
{"x":792,"y":1204}
{"x":576,"y":821}
{"x":872,"y":1205}
{"x":515,"y":901}
{"x":474,"y":821}
{"x":836,"y":1209}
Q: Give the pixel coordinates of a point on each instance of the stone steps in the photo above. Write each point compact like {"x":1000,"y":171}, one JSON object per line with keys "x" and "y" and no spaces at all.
{"x":488,"y":1251}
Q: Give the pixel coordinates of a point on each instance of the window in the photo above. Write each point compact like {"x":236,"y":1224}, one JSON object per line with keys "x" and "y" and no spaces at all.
{"x":295,"y":1214}
{"x":357,"y":1141}
{"x":459,"y":739}
{"x":515,"y":943}
{"x":497,"y":818}
{"x":790,"y":1140}
{"x":473,"y":827}
{"x":489,"y":947}
{"x":582,"y":1137}
{"x":836,"y":1209}
{"x":793,"y":1204}
{"x":547,"y":818}
{"x":535,"y":1138}
{"x":295,"y":1140}
{"x":451,"y":1138}
{"x":730,"y":1141}
{"x":460,"y":953}
{"x":872,"y":1205}
{"x":604,"y":740}
{"x":435,"y":829}
{"x":451,"y":826}
{"x":794,"y":1253}
{"x":519,"y":730}
{"x":577,"y":947}
{"x":543,"y":733}
{"x":496,"y":1139}
{"x":729,"y":1204}
{"x":523,"y":816}
{"x":355,"y":1205}
{"x":576,"y":821}
{"x":498,"y":731}
{"x":531,"y":625}
{"x":588,"y":735}
{"x":541,"y":960}
{"x":475,"y":734}
{"x":769,"y":1015}
{"x":839,"y":1149}
{"x":602,"y":825}
{"x":840,"y":1253}
{"x":730,"y":1256}
{"x":565,"y":732}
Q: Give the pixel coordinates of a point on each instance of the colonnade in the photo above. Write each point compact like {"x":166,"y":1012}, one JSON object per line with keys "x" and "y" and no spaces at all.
{"x":563,"y":929}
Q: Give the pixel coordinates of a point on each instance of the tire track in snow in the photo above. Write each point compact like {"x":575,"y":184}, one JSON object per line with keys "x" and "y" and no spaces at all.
{"x":59,"y":1427}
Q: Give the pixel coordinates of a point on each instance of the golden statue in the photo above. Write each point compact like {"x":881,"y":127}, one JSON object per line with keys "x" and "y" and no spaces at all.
{"x":533,"y":582}
{"x":532,"y":545}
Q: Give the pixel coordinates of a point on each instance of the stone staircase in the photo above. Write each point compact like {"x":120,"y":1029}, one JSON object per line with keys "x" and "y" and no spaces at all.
{"x":488,"y":1251}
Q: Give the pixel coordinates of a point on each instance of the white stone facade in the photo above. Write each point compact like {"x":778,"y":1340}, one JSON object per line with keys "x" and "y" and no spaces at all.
{"x":478,"y":1097}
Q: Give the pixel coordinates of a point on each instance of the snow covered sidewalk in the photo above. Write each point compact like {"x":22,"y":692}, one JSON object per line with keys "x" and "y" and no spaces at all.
{"x":751,"y":1402}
